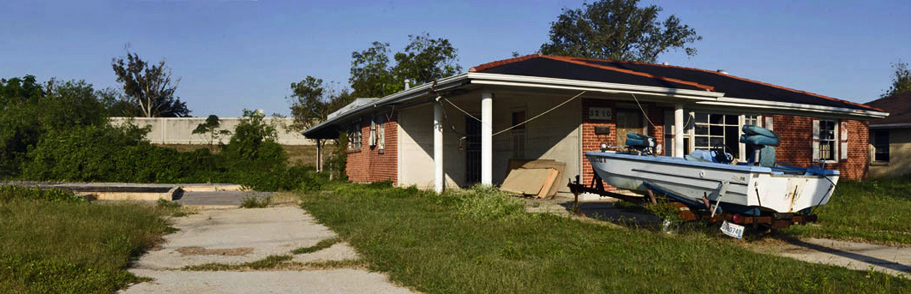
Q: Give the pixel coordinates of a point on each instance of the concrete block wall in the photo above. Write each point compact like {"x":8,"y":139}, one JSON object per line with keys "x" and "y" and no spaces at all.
{"x":371,"y":164}
{"x":179,"y":130}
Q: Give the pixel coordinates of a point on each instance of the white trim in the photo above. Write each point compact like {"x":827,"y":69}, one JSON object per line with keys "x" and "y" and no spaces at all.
{"x":754,"y":103}
{"x":517,"y":80}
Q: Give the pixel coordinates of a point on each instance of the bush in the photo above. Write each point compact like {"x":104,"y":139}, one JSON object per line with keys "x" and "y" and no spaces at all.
{"x":254,"y":201}
{"x":10,"y":193}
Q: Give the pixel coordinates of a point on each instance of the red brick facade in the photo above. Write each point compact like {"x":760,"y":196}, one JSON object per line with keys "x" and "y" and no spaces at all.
{"x":592,"y":141}
{"x":371,"y":164}
{"x":797,"y":145}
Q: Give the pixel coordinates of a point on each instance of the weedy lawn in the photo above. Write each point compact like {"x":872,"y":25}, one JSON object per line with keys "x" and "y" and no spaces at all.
{"x":54,"y":242}
{"x":480,"y":241}
{"x":875,"y":210}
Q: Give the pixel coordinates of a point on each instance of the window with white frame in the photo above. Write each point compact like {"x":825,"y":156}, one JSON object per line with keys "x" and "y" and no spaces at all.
{"x":827,"y":139}
{"x":354,"y":136}
{"x":714,"y":131}
{"x":748,"y":120}
{"x":381,"y":133}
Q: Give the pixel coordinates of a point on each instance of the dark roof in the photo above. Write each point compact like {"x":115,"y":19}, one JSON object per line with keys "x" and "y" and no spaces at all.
{"x":647,"y":74}
{"x":899,"y":107}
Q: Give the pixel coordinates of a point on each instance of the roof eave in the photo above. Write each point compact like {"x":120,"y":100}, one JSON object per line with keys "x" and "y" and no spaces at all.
{"x":774,"y":106}
{"x":399,"y":97}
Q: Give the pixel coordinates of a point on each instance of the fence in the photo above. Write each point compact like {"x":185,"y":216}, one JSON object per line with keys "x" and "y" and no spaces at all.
{"x":179,"y":130}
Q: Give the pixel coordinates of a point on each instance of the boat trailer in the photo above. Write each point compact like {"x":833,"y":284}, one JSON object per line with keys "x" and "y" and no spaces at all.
{"x":703,"y":211}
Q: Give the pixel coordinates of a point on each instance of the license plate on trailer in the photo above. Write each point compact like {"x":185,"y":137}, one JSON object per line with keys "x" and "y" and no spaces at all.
{"x":733,"y":230}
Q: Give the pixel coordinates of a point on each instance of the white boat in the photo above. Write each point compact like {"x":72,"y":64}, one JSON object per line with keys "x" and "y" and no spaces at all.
{"x":743,"y":189}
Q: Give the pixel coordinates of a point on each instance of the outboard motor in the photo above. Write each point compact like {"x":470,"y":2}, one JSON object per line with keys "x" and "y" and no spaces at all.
{"x":762,"y":140}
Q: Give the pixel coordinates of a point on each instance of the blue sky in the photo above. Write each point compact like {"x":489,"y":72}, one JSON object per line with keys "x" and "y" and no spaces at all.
{"x":233,"y":55}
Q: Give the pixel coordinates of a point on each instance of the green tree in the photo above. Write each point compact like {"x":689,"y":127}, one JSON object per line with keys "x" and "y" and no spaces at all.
{"x":618,"y":30}
{"x":210,"y":129}
{"x":901,"y":79}
{"x":423,"y":60}
{"x":312,"y":101}
{"x":31,"y":110}
{"x":426,"y":59}
{"x":254,"y":140}
{"x":148,"y":87}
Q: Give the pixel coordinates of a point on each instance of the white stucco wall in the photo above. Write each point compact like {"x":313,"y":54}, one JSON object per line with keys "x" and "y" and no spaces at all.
{"x":179,"y":130}
{"x":552,"y":136}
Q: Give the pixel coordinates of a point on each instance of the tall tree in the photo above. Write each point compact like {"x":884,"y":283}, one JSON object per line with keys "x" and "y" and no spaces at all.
{"x":901,"y":79}
{"x":426,"y":59}
{"x":370,"y":74}
{"x":312,"y":101}
{"x":148,"y":87}
{"x":423,"y":60}
{"x":618,"y":30}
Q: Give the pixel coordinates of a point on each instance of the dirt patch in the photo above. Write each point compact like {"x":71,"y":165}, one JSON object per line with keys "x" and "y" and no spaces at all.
{"x":224,"y":252}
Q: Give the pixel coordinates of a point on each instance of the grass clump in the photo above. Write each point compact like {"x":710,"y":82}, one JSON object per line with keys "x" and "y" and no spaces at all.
{"x":486,"y":202}
{"x":63,"y":245}
{"x":322,"y":244}
{"x":449,"y":243}
{"x":875,"y":210}
{"x":254,"y":201}
{"x":269,"y":262}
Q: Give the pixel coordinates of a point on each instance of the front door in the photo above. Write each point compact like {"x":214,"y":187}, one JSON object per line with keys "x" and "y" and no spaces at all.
{"x":472,"y":151}
{"x":628,"y":120}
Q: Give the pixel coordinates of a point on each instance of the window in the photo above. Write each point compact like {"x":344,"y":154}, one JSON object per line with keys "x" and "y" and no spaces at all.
{"x":354,"y":137}
{"x":518,"y":134}
{"x":881,"y":145}
{"x":827,"y":139}
{"x":381,"y":133}
{"x":750,"y":150}
{"x":717,"y":131}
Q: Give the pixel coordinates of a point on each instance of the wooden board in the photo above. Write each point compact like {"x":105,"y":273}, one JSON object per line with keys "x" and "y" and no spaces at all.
{"x":539,"y":164}
{"x":548,"y":183}
{"x":526,"y":181}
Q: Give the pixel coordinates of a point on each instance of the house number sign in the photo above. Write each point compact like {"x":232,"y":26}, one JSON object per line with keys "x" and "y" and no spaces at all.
{"x":599,"y":113}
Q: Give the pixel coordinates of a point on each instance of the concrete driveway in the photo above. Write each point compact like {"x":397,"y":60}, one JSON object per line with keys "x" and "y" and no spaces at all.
{"x":236,"y":236}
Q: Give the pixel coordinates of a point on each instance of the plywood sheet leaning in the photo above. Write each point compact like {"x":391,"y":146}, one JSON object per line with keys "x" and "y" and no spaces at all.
{"x":526,"y":181}
{"x":515,"y":164}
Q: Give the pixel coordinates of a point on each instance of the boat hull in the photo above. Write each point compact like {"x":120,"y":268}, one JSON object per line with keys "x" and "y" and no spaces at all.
{"x":745,"y":186}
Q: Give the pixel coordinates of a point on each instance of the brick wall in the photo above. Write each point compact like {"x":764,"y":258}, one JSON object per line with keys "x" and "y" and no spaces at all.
{"x":370,"y":164}
{"x":797,"y":145}
{"x":592,"y":141}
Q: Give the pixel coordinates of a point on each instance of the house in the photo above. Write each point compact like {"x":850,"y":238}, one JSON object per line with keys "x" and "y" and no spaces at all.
{"x":890,"y":137}
{"x":464,"y":129}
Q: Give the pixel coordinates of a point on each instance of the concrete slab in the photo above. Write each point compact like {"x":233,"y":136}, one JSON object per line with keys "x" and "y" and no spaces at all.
{"x":322,"y":281}
{"x":232,"y":236}
{"x":853,"y":255}
{"x":268,"y":231}
{"x":217,"y":198}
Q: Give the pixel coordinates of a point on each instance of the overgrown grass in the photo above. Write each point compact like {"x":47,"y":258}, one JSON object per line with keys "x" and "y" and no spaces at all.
{"x":463,"y":243}
{"x":254,"y":201}
{"x":62,"y":244}
{"x":322,"y":244}
{"x":875,"y":210}
{"x":269,"y":262}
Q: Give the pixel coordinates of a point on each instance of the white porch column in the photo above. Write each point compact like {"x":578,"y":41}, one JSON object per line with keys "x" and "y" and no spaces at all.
{"x":487,"y":138}
{"x":678,"y":130}
{"x":437,"y":147}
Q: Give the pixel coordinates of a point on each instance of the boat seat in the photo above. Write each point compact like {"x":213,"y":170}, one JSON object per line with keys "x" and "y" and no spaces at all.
{"x":767,"y":156}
